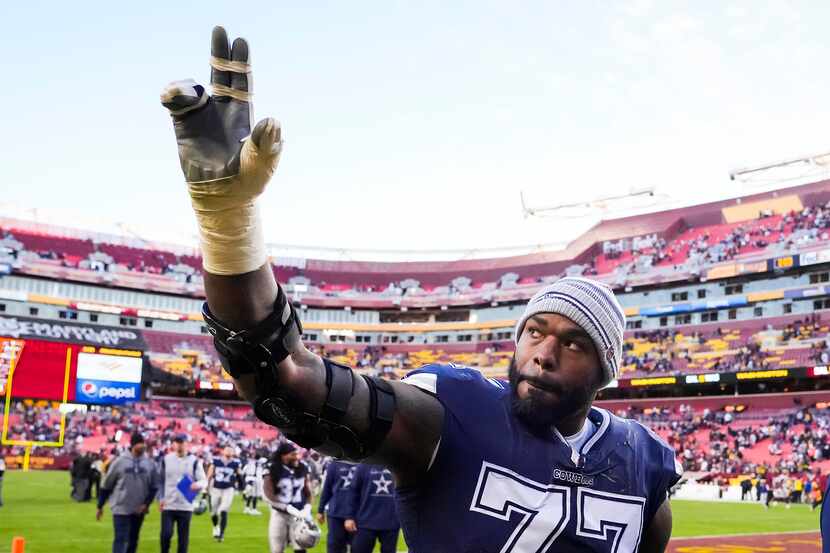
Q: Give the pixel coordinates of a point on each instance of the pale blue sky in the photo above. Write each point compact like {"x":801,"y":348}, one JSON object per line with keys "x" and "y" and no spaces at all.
{"x":414,"y":124}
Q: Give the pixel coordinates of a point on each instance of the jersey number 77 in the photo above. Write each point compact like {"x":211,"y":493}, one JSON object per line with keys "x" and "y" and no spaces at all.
{"x":546,"y":511}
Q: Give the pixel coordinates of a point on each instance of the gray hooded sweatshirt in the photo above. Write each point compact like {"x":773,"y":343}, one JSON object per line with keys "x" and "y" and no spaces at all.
{"x":133,"y":482}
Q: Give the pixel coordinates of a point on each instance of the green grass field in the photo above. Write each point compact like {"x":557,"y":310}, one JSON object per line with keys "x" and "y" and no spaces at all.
{"x":37,"y":507}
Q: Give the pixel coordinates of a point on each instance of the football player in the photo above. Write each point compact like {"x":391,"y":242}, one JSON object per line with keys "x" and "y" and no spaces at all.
{"x":371,"y":510}
{"x":286,"y":488}
{"x":222,"y":474}
{"x":528,"y":465}
{"x":249,"y":472}
{"x":334,"y":504}
{"x":262,"y":470}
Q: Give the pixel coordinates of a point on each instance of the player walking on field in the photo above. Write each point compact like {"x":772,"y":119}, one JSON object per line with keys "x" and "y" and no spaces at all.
{"x":287,"y":490}
{"x":182,"y":478}
{"x":333,"y":507}
{"x":371,"y":510}
{"x":525,"y":466}
{"x":130,"y":486}
{"x":251,"y":473}
{"x":222,"y":475}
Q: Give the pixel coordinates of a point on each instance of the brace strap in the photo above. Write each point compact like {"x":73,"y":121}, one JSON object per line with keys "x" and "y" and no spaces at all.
{"x":250,"y":351}
{"x":381,"y":411}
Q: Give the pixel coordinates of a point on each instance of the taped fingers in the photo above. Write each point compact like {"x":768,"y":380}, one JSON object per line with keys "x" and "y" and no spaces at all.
{"x":240,"y":78}
{"x":267,"y":135}
{"x":181,"y":97}
{"x":220,"y":50}
{"x":230,"y":70}
{"x":231,"y":66}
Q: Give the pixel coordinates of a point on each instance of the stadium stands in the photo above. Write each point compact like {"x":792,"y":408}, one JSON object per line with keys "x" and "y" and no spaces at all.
{"x":718,"y":439}
{"x":188,"y":355}
{"x":734,"y":436}
{"x":206,"y":424}
{"x":659,"y":247}
{"x":751,"y":344}
{"x":768,"y":343}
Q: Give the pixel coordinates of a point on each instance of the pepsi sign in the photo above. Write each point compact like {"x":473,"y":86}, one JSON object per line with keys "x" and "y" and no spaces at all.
{"x":106,"y":392}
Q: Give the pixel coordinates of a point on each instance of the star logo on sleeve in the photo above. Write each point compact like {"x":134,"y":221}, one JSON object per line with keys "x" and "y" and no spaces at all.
{"x":382,"y":484}
{"x":347,"y":479}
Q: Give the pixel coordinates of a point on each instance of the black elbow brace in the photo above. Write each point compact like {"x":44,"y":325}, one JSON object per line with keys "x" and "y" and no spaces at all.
{"x":259,"y":350}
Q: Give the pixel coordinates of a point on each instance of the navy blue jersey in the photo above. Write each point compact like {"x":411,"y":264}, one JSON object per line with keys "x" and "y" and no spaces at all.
{"x":372,"y":499}
{"x":224,"y":473}
{"x":288,"y":482}
{"x":494,"y":486}
{"x":334,"y":496}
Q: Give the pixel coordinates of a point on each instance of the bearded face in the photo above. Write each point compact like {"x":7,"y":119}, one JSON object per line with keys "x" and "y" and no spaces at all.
{"x":555,"y":372}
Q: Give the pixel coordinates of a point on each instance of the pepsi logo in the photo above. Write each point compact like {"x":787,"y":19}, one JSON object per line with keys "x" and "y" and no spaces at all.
{"x":117,"y":392}
{"x":89,"y":388}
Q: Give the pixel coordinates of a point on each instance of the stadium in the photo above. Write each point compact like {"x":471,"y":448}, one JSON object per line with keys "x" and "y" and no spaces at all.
{"x":726,"y":357}
{"x":304,"y":311}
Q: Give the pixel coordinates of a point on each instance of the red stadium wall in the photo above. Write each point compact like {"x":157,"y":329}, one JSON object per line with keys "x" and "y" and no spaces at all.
{"x":40,"y":371}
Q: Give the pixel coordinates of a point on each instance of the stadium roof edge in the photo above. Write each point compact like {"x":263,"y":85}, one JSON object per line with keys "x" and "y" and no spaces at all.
{"x":575,"y":251}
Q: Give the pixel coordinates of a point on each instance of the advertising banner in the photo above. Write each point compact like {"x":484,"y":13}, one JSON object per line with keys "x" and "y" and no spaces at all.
{"x":74,"y":333}
{"x":108,"y":379}
{"x":814,"y":258}
{"x":783,"y":263}
{"x":114,"y":368}
{"x":39,"y":462}
{"x":107,"y":392}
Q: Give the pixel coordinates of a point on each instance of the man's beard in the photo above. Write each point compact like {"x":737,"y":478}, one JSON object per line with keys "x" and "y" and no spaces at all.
{"x":540,"y":414}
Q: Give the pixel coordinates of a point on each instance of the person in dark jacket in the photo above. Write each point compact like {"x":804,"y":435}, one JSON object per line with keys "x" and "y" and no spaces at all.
{"x":333,"y":505}
{"x":372,"y":514}
{"x":130,"y":485}
{"x":80,"y":473}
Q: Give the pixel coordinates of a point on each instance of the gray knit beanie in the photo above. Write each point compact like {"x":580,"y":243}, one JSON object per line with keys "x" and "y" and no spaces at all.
{"x":593,"y":306}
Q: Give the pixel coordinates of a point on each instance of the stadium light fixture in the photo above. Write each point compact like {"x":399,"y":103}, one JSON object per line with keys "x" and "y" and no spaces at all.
{"x":604,"y":203}
{"x":778,"y":172}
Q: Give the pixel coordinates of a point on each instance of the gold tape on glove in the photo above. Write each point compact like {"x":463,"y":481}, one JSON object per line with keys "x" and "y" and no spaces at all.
{"x":222,"y":90}
{"x":222,"y":64}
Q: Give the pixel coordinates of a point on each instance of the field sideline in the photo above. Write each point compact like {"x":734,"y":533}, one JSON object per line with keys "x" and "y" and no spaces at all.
{"x":37,"y":506}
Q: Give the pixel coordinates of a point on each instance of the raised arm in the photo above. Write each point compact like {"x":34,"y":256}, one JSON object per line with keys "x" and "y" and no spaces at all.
{"x":256,"y":331}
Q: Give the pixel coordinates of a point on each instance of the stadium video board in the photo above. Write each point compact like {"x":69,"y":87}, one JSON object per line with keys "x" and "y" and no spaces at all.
{"x":38,"y":369}
{"x":107,"y":379}
{"x":67,"y":372}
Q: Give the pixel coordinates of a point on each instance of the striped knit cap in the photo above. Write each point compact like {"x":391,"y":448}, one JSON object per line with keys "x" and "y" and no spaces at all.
{"x":593,"y":306}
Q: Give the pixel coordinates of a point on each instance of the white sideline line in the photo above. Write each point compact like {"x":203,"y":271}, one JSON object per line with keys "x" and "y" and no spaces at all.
{"x":745,"y":535}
